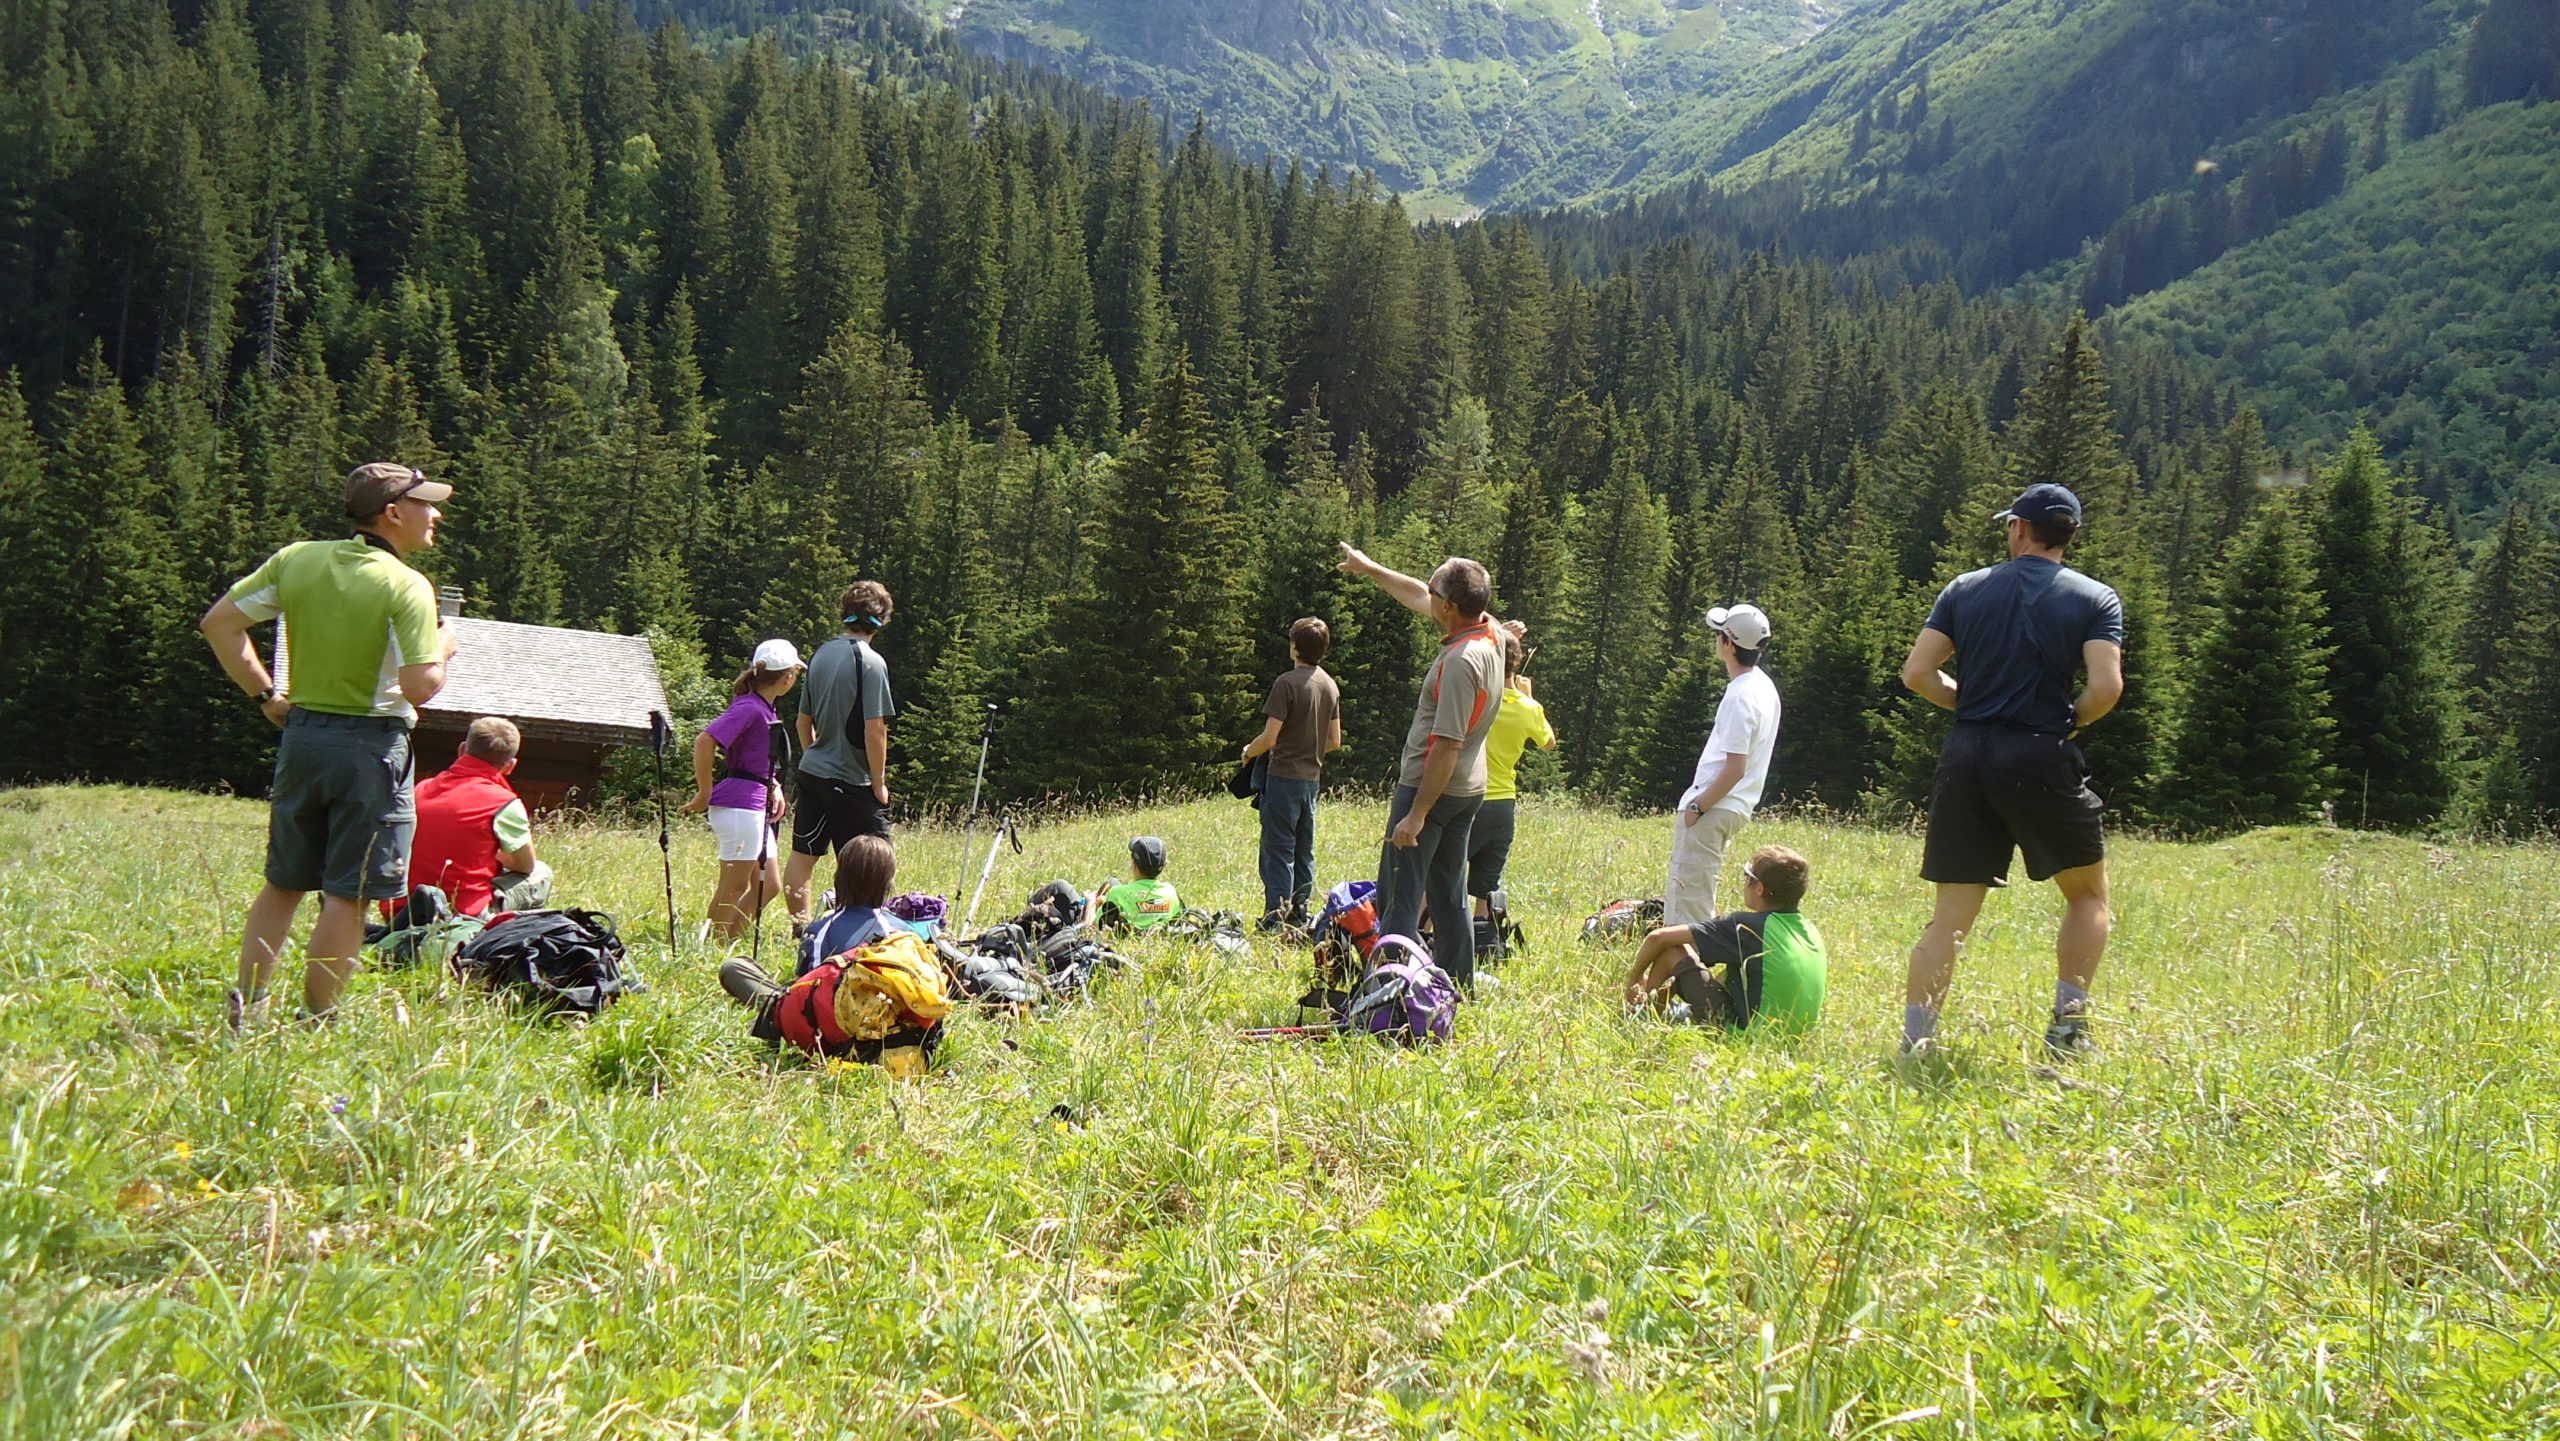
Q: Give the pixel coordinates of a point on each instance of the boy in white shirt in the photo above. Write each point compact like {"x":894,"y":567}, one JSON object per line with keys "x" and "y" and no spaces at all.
{"x":1731,"y":770}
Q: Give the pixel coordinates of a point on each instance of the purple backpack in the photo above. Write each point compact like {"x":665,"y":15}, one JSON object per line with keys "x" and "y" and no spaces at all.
{"x":923,"y":911}
{"x":1405,"y":997}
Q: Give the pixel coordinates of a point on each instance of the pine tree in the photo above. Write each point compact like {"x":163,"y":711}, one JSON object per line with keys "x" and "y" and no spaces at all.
{"x":1300,"y":548}
{"x":2253,"y":727}
{"x":1609,"y":642}
{"x":38,"y":547}
{"x":2065,"y":435}
{"x":1840,"y":666}
{"x":2390,"y":700}
{"x":1166,"y":591}
{"x":121,"y":613}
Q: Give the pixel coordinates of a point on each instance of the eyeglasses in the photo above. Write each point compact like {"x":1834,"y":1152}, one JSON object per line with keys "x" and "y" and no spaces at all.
{"x":416,"y":478}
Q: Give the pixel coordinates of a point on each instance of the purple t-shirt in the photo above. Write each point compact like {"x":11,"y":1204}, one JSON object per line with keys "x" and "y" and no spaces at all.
{"x":745,"y":734}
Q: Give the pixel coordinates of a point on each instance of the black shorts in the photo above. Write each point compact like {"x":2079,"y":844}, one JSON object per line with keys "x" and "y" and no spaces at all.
{"x":832,"y":812}
{"x":2001,"y":790}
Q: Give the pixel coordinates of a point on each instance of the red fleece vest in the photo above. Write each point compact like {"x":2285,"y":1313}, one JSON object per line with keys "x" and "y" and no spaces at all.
{"x":456,"y":848}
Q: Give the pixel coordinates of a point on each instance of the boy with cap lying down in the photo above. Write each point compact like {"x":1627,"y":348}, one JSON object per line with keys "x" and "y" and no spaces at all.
{"x":1760,"y":967}
{"x":1141,"y":904}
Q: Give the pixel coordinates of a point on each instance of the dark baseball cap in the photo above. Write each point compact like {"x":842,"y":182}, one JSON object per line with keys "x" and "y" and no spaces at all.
{"x":374,"y":486}
{"x":1147,"y":854}
{"x":2041,"y":502}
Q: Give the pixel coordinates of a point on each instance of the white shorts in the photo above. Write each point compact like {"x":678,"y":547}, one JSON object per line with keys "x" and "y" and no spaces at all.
{"x":743,"y":834}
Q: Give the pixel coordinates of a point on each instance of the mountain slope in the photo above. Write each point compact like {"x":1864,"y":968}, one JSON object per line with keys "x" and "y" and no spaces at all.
{"x":1446,"y":100}
{"x":2425,"y":299}
{"x":2039,"y":125}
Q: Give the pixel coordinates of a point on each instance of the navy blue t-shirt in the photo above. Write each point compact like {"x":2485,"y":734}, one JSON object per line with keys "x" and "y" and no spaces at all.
{"x":2018,"y":630}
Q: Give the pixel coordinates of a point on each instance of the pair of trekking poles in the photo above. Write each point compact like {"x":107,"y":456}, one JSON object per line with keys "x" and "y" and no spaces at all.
{"x":662,"y":735}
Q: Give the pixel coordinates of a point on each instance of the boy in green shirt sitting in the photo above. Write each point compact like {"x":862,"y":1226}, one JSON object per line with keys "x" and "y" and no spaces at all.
{"x":1142,"y":904}
{"x":1770,"y":957}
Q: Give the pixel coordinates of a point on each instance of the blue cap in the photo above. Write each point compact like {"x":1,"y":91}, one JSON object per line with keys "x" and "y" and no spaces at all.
{"x":2041,"y":502}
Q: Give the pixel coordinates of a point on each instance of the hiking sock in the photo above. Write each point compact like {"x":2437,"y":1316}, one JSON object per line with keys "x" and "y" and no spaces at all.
{"x":2068,"y":999}
{"x":1919,"y":1023}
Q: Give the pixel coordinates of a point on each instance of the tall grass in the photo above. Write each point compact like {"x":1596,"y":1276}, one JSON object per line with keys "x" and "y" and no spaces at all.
{"x":2307,"y":1191}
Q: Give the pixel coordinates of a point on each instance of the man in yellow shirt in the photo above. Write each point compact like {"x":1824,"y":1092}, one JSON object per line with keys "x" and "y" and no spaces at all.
{"x":1520,"y":724}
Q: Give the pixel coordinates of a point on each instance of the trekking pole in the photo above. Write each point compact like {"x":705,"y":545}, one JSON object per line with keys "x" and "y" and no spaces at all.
{"x":660,"y":735}
{"x":969,"y":831}
{"x":995,"y":845}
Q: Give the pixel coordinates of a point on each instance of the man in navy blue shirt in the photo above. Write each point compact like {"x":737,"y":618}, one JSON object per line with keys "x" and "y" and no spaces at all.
{"x":2011,"y":776}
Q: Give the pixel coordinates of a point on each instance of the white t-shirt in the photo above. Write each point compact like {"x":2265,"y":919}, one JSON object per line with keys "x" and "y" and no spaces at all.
{"x":1746,"y":725}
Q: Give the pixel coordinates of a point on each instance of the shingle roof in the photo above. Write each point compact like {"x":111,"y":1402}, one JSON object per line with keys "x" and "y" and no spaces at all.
{"x":566,"y":684}
{"x":575,"y":685}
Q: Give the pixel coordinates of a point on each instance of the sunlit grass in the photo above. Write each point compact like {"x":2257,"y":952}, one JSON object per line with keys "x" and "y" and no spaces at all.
{"x":2308,"y":1190}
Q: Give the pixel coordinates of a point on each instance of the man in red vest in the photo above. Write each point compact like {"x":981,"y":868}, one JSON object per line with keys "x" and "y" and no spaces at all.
{"x":475,"y":838}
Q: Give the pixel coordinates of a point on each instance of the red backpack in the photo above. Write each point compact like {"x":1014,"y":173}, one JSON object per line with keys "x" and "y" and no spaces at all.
{"x":864,"y":994}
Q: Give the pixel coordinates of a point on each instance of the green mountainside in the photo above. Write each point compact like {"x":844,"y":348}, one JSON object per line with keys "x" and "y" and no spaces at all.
{"x":2425,"y":299}
{"x":1448,"y":101}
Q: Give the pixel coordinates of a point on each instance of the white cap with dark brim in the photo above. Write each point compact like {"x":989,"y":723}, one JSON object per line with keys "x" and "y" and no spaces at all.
{"x":1747,"y":626}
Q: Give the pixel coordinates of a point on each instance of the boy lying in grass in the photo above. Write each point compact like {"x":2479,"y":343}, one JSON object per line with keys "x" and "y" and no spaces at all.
{"x":1141,"y":904}
{"x":1762,"y":966}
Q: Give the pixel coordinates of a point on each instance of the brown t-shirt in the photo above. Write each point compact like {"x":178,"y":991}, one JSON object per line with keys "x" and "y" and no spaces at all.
{"x":1306,"y":703}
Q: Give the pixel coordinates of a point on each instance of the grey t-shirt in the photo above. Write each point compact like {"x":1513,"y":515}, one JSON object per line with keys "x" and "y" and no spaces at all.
{"x":1458,"y":702}
{"x":840,"y":668}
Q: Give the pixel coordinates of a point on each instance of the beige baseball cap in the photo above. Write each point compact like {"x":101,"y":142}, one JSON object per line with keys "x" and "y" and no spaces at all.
{"x":373,"y":486}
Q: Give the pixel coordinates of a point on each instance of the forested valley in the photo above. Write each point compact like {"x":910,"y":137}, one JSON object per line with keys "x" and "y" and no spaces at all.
{"x":702,"y":331}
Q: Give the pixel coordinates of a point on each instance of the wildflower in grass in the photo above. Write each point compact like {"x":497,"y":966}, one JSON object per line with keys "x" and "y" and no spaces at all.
{"x":338,"y":1105}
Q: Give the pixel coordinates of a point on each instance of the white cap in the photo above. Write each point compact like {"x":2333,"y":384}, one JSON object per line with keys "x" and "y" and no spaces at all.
{"x":1747,"y":626}
{"x":776,"y":655}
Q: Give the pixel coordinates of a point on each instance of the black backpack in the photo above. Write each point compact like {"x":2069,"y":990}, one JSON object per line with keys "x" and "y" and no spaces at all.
{"x":557,"y":960}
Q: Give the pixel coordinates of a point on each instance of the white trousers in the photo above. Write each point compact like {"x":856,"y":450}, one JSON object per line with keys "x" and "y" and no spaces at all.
{"x":1697,"y":865}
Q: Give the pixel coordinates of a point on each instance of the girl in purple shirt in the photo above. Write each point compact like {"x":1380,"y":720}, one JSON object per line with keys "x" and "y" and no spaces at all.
{"x":737,"y":782}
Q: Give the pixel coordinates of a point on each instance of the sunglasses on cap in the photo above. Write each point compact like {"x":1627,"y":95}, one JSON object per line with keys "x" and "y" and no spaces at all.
{"x":416,"y":478}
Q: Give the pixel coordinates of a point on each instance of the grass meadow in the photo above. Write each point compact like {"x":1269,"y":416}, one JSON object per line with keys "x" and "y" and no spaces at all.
{"x":2308,"y":1190}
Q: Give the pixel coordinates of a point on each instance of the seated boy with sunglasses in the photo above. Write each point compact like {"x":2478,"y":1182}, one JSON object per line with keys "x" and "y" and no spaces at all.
{"x":1758,"y":968}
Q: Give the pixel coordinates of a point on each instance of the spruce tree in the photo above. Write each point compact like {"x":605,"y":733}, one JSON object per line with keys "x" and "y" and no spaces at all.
{"x":2065,"y":435}
{"x":1839,"y":665}
{"x":1149,"y":689}
{"x":2252,"y":732}
{"x":38,"y":546}
{"x":1300,"y":548}
{"x":2390,"y":700}
{"x":1609,"y":641}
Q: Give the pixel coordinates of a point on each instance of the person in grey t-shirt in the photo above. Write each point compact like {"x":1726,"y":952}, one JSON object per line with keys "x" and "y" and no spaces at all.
{"x":845,"y":705}
{"x":1441,"y":780}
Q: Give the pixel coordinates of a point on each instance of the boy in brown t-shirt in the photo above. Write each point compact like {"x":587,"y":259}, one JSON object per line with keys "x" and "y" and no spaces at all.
{"x":1302,"y":721}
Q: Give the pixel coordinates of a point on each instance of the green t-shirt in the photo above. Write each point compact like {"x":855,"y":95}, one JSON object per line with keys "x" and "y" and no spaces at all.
{"x":1775,"y":965}
{"x":353,"y":615}
{"x":513,"y":826}
{"x":1145,"y":905}
{"x":1794,"y":973}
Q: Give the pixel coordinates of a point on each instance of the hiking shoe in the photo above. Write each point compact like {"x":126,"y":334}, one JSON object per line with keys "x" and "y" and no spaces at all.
{"x":2068,"y":1038}
{"x":747,"y":983}
{"x":247,"y":1013}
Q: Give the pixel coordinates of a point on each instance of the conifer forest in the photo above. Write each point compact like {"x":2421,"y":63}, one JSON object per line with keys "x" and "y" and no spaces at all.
{"x":704,"y":325}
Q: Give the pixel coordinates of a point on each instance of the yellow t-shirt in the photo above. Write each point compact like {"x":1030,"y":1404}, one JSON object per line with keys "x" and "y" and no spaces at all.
{"x":1520,"y":723}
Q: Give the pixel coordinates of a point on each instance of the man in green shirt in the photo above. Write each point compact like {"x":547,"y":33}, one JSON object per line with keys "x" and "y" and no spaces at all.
{"x":1773,"y":967}
{"x":364,"y":648}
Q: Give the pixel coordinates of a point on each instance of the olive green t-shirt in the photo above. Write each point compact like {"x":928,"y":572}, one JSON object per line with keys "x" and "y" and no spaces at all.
{"x":353,"y":615}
